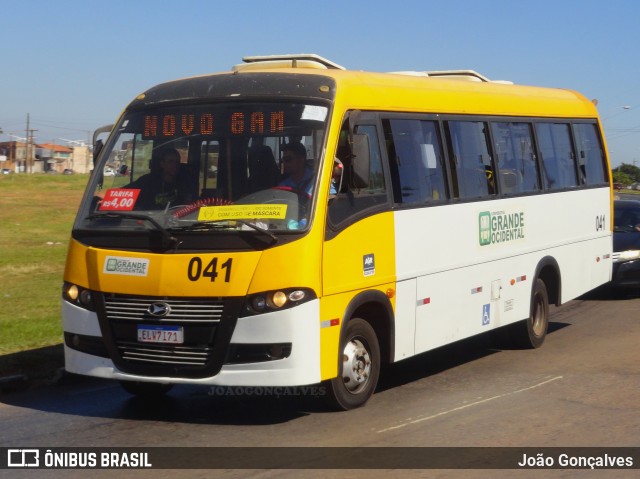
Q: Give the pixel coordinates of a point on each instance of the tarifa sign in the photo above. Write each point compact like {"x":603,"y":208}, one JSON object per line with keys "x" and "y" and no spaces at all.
{"x":500,"y":227}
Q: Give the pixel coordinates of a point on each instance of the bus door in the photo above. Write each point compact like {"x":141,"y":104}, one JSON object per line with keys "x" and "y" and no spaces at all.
{"x":359,"y":253}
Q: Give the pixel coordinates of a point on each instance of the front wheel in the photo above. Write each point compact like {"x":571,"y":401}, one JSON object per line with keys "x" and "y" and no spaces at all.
{"x":359,"y":366}
{"x":532,"y":332}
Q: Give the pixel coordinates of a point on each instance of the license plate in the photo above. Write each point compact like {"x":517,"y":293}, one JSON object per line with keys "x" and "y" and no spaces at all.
{"x":160,"y":334}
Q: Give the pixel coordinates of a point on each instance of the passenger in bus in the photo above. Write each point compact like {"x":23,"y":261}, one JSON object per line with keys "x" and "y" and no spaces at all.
{"x":162,"y":186}
{"x":297,"y":176}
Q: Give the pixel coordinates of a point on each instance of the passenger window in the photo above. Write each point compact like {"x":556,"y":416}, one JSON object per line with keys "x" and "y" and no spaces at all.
{"x":558,"y":158}
{"x":350,"y":201}
{"x":376,"y":173}
{"x":591,"y":159}
{"x":472,"y":169}
{"x":415,"y":160}
{"x":517,"y":167}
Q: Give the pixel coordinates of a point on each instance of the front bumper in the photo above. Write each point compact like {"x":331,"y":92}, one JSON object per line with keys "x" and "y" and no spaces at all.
{"x":626,"y":274}
{"x":298,"y":326}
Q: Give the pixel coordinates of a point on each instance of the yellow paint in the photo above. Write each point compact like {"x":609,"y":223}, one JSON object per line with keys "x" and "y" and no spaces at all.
{"x":167,"y":274}
{"x":334,"y":307}
{"x":344,"y":276}
{"x":343,"y":268}
{"x":331,"y":307}
{"x":295,"y":264}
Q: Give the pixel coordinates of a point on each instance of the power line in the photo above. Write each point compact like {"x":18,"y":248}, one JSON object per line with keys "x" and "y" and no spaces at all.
{"x":61,"y":127}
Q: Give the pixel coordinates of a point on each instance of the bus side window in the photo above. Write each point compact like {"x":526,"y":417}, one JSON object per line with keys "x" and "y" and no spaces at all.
{"x":591,"y":159}
{"x":515,"y":156}
{"x":415,"y":160}
{"x":558,"y":158}
{"x":472,"y":164}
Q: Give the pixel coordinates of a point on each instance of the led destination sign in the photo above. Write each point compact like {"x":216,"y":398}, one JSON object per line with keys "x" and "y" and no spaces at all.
{"x":227,"y":120}
{"x":235,"y":123}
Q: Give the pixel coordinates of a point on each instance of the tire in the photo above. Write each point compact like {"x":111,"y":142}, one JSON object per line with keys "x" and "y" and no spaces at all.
{"x":146,"y":390}
{"x":359,"y":367}
{"x":530,"y":333}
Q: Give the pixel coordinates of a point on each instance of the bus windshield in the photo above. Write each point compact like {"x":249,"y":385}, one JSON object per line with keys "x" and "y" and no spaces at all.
{"x":205,"y":168}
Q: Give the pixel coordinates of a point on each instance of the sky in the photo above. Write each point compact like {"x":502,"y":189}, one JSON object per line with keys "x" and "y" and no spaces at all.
{"x":73,"y":65}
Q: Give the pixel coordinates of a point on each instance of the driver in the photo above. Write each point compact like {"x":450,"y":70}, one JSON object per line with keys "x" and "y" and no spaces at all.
{"x":161,"y":186}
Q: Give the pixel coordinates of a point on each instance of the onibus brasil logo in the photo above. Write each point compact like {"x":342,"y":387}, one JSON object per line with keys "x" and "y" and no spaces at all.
{"x":500,"y":227}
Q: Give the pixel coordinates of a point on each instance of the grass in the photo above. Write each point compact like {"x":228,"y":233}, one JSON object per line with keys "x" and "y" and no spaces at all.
{"x":36,"y":215}
{"x":629,"y":192}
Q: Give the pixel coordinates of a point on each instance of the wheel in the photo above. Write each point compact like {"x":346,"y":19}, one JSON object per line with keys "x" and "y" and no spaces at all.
{"x":359,"y":366}
{"x":142,"y":389}
{"x":531,"y":332}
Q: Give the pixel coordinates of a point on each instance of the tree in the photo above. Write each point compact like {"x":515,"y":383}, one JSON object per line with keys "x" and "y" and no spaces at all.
{"x":630,"y":170}
{"x":622,"y":178}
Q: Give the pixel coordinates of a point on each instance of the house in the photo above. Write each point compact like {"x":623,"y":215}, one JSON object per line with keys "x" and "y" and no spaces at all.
{"x":44,"y":158}
{"x":54,"y":157}
{"x":14,"y":157}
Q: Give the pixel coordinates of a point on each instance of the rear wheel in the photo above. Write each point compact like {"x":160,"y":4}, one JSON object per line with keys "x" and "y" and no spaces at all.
{"x":532,"y":332}
{"x":359,"y":366}
{"x":147,"y":390}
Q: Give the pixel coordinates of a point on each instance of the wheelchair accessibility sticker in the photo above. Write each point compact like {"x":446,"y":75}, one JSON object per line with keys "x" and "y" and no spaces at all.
{"x":486,"y":314}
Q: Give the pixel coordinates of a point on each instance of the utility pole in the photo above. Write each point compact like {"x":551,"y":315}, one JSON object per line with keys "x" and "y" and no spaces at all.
{"x":28,"y":156}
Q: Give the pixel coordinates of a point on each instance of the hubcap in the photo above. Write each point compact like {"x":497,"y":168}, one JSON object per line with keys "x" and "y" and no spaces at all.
{"x":356,"y":366}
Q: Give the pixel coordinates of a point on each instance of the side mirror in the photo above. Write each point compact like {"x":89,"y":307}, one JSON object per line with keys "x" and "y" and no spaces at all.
{"x":97,"y":148}
{"x":98,"y":143}
{"x":360,"y":161}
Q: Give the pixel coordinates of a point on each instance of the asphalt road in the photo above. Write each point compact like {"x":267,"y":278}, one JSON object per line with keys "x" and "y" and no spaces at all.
{"x":581,"y":389}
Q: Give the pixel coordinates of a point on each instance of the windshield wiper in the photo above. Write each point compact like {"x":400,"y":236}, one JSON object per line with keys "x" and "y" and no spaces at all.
{"x":259,"y":228}
{"x":222,"y":224}
{"x":171,"y":240}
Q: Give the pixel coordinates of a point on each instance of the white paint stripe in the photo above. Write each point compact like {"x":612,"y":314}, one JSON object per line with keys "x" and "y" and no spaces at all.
{"x":443,"y":413}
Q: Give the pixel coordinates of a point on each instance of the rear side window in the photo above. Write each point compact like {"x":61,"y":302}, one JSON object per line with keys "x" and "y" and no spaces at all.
{"x":471,"y":164}
{"x":591,"y":160}
{"x":558,"y":158}
{"x":415,"y":160}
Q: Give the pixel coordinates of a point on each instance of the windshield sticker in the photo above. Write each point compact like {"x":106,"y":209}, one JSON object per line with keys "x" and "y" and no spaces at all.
{"x":500,"y":227}
{"x":313,"y":112}
{"x":242,"y":212}
{"x":126,"y":266}
{"x":119,"y":199}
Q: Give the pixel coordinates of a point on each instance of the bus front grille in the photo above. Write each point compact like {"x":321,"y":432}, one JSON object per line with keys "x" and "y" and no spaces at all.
{"x":163,"y":354}
{"x":182,"y":311}
{"x":205,"y":324}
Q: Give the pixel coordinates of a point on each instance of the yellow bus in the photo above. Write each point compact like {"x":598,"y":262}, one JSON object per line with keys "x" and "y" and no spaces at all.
{"x":292,"y":223}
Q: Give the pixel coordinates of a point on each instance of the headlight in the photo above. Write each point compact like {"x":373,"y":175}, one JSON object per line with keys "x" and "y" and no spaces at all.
{"x":276,"y":300}
{"x":79,"y":296}
{"x":626,"y":256}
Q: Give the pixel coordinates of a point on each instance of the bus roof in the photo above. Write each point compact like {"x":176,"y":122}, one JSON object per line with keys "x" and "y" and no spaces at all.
{"x":451,"y":91}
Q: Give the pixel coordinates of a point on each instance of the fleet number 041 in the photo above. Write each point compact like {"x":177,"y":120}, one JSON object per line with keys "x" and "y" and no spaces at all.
{"x":198,"y":270}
